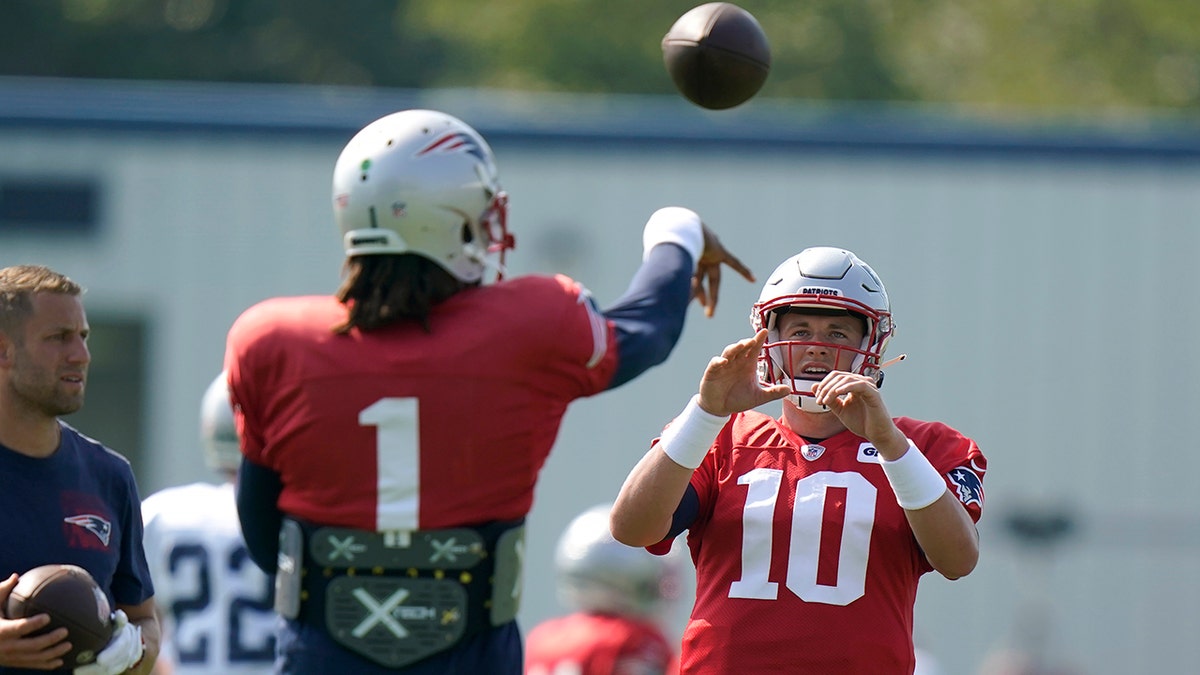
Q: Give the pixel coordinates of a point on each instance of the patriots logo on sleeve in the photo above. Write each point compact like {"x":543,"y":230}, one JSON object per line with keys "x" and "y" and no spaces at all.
{"x":967,"y":486}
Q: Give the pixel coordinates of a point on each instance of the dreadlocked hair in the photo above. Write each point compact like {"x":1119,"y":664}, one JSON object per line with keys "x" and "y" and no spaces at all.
{"x":380,"y":290}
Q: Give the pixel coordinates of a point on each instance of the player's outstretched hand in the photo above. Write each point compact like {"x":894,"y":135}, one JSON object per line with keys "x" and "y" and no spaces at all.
{"x":706,"y":284}
{"x":730,"y":383}
{"x":17,"y":649}
{"x":856,"y":401}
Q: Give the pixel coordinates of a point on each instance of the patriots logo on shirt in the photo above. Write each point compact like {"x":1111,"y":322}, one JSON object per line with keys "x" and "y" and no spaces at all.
{"x":456,"y":141}
{"x":94,"y":524}
{"x":967,"y":485}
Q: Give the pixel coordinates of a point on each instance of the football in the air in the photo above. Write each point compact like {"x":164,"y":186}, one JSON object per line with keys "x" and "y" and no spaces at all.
{"x":717,"y":54}
{"x":73,"y":600}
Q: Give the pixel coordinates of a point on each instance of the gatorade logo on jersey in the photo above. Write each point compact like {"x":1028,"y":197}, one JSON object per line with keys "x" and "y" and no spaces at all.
{"x":867,"y":454}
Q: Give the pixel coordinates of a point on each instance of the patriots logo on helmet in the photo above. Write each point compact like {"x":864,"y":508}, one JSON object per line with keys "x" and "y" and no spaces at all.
{"x":94,"y":524}
{"x":967,"y":485}
{"x":820,"y":290}
{"x":456,"y":141}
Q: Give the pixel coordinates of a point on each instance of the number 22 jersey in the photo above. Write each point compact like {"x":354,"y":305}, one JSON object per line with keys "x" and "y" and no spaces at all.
{"x":216,"y":601}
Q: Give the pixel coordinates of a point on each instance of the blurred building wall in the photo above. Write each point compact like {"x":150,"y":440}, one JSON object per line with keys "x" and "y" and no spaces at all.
{"x":1042,"y":281}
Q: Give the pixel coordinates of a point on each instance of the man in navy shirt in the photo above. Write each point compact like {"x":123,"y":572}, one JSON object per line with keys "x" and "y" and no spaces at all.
{"x":64,"y":498}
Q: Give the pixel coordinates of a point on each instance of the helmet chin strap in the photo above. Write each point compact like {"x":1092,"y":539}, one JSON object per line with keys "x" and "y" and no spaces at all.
{"x":805,"y":402}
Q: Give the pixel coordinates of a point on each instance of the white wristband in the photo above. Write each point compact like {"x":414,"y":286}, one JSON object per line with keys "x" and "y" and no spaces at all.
{"x":689,"y":436}
{"x":914,"y":480}
{"x":676,"y":225}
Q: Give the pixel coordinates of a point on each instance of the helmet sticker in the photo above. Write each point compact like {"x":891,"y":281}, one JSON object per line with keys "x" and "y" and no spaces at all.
{"x":456,"y":141}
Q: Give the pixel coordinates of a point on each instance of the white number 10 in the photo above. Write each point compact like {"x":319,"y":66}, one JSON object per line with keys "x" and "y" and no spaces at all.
{"x":804,"y":552}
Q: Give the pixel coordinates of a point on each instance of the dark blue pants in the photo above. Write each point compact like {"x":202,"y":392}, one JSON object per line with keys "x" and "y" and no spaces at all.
{"x":304,"y":648}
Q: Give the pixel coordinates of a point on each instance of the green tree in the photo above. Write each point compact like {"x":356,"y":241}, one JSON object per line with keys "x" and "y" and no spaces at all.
{"x":1001,"y":54}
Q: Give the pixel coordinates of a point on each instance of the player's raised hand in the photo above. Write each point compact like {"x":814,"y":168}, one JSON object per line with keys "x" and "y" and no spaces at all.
{"x":856,"y":401}
{"x":730,"y":383}
{"x":706,"y":283}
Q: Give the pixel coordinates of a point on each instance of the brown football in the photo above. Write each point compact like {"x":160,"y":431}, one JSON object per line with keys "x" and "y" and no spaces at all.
{"x":73,"y":600}
{"x":717,"y":55}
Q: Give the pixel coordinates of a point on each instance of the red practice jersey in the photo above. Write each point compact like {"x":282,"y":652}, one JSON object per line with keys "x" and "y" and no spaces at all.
{"x":397,"y":428}
{"x":597,"y":644}
{"x":804,"y":561}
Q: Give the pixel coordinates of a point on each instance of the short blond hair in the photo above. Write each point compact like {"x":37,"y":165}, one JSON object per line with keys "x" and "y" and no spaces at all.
{"x":18,"y":285}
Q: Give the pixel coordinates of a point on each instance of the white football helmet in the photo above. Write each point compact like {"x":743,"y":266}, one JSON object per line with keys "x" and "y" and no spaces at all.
{"x":218,"y":432}
{"x":821,"y":278}
{"x":597,"y":573}
{"x":423,"y":182}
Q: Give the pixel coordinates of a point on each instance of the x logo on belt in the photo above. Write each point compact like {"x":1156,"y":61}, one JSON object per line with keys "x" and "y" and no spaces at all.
{"x":380,"y":613}
{"x":344,"y":548}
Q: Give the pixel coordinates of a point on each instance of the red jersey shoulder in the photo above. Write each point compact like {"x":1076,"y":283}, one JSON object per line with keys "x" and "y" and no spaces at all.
{"x":553,"y":315}
{"x":955,"y":455}
{"x":537,"y":297}
{"x":282,"y":316}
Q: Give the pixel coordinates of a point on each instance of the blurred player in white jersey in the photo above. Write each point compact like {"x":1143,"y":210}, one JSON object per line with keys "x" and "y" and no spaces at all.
{"x":215,"y":603}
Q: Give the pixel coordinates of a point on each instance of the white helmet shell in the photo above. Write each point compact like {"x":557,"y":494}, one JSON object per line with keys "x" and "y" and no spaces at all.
{"x":218,"y":432}
{"x":423,"y":182}
{"x":596,"y":573}
{"x":823,"y":278}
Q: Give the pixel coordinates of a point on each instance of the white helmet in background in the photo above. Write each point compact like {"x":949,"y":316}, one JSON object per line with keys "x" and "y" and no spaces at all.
{"x":423,"y":182}
{"x":596,"y":573}
{"x":218,"y":433}
{"x":821,"y":278}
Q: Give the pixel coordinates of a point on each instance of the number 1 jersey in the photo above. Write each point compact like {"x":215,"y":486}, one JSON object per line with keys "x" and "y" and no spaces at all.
{"x":402,"y":428}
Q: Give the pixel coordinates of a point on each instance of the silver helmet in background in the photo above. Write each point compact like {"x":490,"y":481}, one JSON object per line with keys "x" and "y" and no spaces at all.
{"x":596,"y":573}
{"x":218,"y":433}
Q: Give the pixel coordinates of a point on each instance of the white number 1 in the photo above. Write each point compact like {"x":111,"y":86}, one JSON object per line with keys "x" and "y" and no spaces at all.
{"x":804,"y":551}
{"x":397,"y":459}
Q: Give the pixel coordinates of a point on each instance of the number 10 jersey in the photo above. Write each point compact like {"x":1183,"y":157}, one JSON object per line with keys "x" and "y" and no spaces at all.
{"x":804,"y":560}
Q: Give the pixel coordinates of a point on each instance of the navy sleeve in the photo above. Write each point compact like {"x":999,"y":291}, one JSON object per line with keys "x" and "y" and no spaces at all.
{"x":649,"y":316}
{"x":685,"y":514}
{"x":258,"y":491}
{"x":131,"y":583}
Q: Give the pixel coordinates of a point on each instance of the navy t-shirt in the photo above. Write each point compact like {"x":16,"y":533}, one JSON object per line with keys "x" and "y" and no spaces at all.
{"x":79,"y":506}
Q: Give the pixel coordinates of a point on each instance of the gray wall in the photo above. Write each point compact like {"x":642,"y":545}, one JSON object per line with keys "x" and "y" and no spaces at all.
{"x":1042,"y":285}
